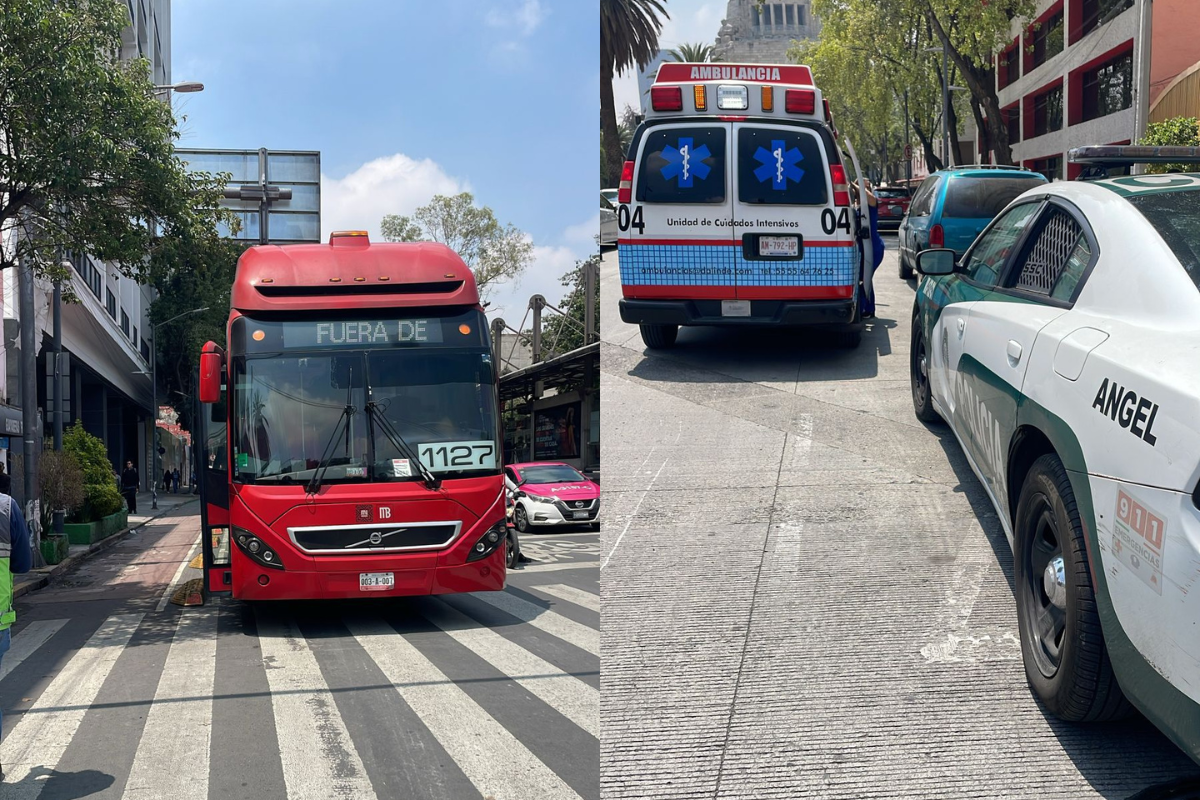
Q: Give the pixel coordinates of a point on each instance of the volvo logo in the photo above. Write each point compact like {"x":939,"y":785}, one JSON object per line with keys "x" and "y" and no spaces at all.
{"x":376,"y":537}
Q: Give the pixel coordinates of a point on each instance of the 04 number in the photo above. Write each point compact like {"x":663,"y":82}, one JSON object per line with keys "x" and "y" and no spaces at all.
{"x":625,"y":222}
{"x":831,"y":222}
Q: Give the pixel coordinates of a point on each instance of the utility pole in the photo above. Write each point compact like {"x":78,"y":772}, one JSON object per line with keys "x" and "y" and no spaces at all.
{"x":1142,"y":82}
{"x":907,"y":145}
{"x":58,"y":385}
{"x":945,"y":107}
{"x":590,"y":268}
{"x":29,"y":421}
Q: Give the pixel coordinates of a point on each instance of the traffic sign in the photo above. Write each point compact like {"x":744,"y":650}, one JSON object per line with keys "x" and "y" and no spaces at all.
{"x":908,"y":152}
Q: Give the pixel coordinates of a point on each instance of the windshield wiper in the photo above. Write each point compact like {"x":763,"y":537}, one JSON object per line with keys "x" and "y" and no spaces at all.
{"x":375,"y":414}
{"x":314,"y":482}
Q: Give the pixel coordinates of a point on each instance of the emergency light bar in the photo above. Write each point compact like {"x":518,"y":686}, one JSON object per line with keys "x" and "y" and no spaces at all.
{"x":1124,"y":155}
{"x":682,"y":72}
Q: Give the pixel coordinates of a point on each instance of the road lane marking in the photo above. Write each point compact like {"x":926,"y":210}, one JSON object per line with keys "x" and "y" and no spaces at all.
{"x":170,"y":590}
{"x":632,"y":515}
{"x":172,"y":756}
{"x":25,"y":643}
{"x":315,"y":748}
{"x":572,"y":595}
{"x":555,"y":624}
{"x":39,"y":739}
{"x":589,"y":564}
{"x":565,"y":693}
{"x":487,"y":753}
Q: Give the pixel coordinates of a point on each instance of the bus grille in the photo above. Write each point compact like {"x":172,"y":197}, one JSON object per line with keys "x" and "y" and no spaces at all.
{"x":380,"y":537}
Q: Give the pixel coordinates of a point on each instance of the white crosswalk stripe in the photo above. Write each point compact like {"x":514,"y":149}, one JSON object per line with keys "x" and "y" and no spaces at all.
{"x":179,"y":724}
{"x":45,"y":730}
{"x":319,"y":759}
{"x":555,"y":624}
{"x":491,"y":757}
{"x":565,"y":693}
{"x":26,"y":643}
{"x":579,"y":597}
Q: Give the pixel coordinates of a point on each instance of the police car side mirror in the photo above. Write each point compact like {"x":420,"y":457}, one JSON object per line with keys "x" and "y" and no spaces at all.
{"x":936,"y":262}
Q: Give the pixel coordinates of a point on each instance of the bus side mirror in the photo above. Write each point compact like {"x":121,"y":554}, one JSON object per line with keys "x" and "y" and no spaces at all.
{"x":210,"y":377}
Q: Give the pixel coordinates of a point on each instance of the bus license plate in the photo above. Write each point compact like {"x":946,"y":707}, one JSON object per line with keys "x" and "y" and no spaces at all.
{"x":580,"y":515}
{"x":376,"y":581}
{"x":735,"y":308}
{"x":778,"y":246}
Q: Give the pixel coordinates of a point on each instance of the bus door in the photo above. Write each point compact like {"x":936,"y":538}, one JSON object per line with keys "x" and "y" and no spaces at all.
{"x":212,"y":472}
{"x":795,"y":242}
{"x":676,"y":235}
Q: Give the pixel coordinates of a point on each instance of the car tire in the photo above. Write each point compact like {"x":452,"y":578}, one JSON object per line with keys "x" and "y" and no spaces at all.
{"x":906,"y":271}
{"x":659,"y":337}
{"x":1062,"y":645}
{"x":918,"y":375}
{"x":510,"y":553}
{"x":521,"y":518}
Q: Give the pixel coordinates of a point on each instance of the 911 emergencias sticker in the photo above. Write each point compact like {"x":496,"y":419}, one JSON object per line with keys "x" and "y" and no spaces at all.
{"x":1138,"y":535}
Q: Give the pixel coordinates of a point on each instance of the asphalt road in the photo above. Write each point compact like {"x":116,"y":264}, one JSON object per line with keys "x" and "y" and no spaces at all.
{"x":109,"y":691}
{"x":806,"y":593}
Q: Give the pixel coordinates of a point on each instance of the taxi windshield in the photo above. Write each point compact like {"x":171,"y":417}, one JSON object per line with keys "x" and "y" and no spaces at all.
{"x":550,"y":473}
{"x":1176,"y":217}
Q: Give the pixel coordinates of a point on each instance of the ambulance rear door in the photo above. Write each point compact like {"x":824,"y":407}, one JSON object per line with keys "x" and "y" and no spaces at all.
{"x":675,"y":237}
{"x":793,"y":241}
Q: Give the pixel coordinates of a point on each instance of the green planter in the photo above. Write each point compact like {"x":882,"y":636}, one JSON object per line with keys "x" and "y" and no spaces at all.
{"x":92,"y":532}
{"x":55,"y":549}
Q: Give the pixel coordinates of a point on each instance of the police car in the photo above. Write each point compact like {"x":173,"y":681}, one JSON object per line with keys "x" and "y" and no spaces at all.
{"x":1063,"y":350}
{"x":734,"y":206}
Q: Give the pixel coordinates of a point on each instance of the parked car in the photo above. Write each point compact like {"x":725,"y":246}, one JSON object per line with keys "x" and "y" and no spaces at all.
{"x":1061,"y":350}
{"x":893,"y":205}
{"x":551,"y":494}
{"x":608,"y":222}
{"x":954,"y":205}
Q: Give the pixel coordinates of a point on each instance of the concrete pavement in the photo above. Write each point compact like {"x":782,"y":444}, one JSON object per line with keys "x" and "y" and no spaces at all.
{"x":805,"y":590}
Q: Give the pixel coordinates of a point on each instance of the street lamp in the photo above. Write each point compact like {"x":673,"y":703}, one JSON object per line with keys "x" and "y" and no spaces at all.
{"x":154,"y":401}
{"x":182,"y":87}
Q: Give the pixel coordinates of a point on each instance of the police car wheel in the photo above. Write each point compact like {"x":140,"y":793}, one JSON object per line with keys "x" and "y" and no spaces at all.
{"x":1062,"y":645}
{"x":521,"y":518}
{"x":658,"y":337}
{"x":918,"y":370}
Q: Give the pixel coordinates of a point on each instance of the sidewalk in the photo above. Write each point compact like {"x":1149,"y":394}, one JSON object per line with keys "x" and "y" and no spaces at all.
{"x":37,"y":578}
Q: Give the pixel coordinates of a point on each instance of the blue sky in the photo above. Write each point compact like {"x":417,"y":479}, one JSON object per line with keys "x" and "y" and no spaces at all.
{"x":409,"y":99}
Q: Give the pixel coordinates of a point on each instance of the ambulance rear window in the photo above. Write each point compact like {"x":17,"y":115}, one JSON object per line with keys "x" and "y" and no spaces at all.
{"x":683,"y":165}
{"x":781,"y":166}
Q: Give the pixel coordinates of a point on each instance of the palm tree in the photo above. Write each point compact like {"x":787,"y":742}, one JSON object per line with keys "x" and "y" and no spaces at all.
{"x":628,"y":35}
{"x":694,"y":53}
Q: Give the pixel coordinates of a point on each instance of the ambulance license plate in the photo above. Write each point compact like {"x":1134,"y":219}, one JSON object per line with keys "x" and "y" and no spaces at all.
{"x":376,"y":581}
{"x":735,"y":308}
{"x":778,"y":246}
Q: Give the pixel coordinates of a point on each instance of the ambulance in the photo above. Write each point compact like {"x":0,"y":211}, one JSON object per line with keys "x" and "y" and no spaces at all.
{"x":734,"y":207}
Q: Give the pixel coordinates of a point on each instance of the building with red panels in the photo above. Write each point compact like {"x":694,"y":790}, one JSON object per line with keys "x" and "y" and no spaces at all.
{"x":1071,"y":75}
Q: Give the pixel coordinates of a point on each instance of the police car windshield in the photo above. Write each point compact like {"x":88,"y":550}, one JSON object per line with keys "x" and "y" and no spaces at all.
{"x":983,"y":197}
{"x":1176,"y":217}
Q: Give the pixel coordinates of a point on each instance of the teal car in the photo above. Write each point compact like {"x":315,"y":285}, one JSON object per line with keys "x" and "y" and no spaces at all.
{"x":953,"y":206}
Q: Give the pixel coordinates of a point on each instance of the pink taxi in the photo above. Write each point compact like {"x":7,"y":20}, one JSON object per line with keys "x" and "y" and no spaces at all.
{"x":550,"y":493}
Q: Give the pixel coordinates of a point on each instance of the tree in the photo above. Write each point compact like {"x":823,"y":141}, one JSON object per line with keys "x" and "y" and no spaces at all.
{"x":1180,"y":131}
{"x":697,"y":53}
{"x":628,"y":35}
{"x":625,"y":130}
{"x":494,"y":252}
{"x":562,"y":334}
{"x":86,"y":154}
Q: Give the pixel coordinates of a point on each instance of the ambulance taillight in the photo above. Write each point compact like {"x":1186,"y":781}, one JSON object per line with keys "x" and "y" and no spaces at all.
{"x":841,"y":189}
{"x":666,"y":98}
{"x":800,"y":101}
{"x":625,"y":189}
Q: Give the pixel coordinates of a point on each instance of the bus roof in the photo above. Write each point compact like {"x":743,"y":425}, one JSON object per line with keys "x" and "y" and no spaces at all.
{"x":351,"y":272}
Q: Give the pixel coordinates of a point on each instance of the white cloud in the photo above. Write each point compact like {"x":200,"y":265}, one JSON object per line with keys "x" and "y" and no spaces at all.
{"x":550,"y":262}
{"x":525,"y":19}
{"x":394,"y":184}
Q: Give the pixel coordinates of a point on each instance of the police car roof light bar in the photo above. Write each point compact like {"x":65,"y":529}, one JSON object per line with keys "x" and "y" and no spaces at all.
{"x":1124,"y":155}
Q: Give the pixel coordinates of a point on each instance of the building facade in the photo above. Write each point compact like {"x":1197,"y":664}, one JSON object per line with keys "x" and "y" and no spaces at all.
{"x":1072,"y":75}
{"x":106,"y":333}
{"x":756,"y":34}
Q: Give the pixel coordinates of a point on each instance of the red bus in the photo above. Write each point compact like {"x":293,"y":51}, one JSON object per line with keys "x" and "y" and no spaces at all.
{"x":349,"y":428}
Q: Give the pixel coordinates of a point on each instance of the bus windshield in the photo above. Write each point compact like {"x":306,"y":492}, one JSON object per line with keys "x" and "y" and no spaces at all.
{"x":364,"y":405}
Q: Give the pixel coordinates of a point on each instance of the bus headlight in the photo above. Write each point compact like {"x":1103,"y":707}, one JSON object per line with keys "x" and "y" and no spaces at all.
{"x":256,"y":549}
{"x":489,"y":542}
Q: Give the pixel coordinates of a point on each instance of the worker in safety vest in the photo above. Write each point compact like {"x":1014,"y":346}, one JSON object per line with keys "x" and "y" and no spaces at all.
{"x":16,"y":556}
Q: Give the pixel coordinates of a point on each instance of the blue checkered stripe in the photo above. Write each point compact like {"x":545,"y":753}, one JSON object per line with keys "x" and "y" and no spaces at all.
{"x":821,"y":266}
{"x":676,"y":265}
{"x":709,"y":265}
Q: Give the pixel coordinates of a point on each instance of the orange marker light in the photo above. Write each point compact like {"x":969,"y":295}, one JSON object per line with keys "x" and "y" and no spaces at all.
{"x":385,"y":278}
{"x":768,"y":98}
{"x":698,"y":96}
{"x":258,"y":336}
{"x":268,"y":280}
{"x":335,"y":280}
{"x":464,"y":329}
{"x":359,"y":280}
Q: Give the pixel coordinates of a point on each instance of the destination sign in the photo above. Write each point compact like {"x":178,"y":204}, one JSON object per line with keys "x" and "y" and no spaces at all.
{"x":362,"y":333}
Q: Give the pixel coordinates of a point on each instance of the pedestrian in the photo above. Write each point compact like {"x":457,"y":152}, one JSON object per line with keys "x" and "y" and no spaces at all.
{"x":16,"y":557}
{"x":175,"y":479}
{"x":868,"y":302}
{"x":5,"y":481}
{"x":129,"y":486}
